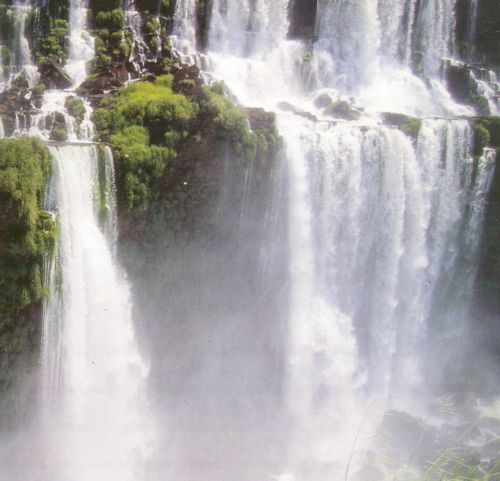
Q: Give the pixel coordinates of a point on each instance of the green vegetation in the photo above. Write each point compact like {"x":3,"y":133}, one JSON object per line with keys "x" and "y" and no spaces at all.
{"x":144,"y":123}
{"x":58,"y":130}
{"x":49,"y":25}
{"x":486,"y":134}
{"x":111,"y":42}
{"x":75,"y":107}
{"x":411,"y":127}
{"x":7,"y":35}
{"x":148,"y":123}
{"x":27,"y":234}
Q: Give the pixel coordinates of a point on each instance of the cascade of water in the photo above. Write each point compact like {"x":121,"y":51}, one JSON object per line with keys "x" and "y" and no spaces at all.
{"x":185,"y":26}
{"x":382,"y":235}
{"x":21,"y":57}
{"x":94,"y":373}
{"x":134,"y":25}
{"x":81,"y":42}
{"x":2,"y":131}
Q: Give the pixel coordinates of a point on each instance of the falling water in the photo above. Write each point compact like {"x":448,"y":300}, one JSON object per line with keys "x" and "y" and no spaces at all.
{"x":80,"y":41}
{"x":21,"y":57}
{"x":382,"y":226}
{"x":93,"y":376}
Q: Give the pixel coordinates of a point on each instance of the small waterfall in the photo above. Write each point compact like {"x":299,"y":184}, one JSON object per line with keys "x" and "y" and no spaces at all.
{"x":22,"y":57}
{"x":2,"y":131}
{"x":134,"y":25}
{"x":185,"y":26}
{"x":80,"y":41}
{"x":94,"y":375}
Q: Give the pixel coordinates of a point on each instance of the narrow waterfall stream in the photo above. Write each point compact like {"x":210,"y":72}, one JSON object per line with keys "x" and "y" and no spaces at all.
{"x":96,"y":410}
{"x":93,"y":419}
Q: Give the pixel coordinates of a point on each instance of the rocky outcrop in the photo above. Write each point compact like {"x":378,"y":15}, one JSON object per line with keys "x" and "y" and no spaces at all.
{"x":487,"y":33}
{"x":53,"y":76}
{"x":341,"y":109}
{"x":464,"y":88}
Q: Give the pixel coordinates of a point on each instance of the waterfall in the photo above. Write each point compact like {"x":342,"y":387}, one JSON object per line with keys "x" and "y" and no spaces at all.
{"x":81,"y":43}
{"x":21,"y":57}
{"x":93,"y":375}
{"x":384,"y":228}
{"x":134,"y":25}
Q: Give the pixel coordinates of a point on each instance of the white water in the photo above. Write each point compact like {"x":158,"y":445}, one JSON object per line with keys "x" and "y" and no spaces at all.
{"x":134,"y":25}
{"x":95,"y":418}
{"x":379,"y":225}
{"x":80,"y":41}
{"x":21,"y":56}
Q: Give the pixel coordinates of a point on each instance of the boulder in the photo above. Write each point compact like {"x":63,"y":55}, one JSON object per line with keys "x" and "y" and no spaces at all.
{"x":342,"y":109}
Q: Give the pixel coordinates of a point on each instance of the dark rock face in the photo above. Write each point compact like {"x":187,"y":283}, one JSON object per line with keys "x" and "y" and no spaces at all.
{"x":487,"y":35}
{"x":303,"y":19}
{"x":486,"y":299}
{"x":53,"y":76}
{"x":464,"y":88}
{"x":15,"y":106}
{"x":291,"y":108}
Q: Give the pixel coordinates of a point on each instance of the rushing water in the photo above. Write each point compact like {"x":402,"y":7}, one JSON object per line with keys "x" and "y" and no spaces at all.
{"x":93,"y":377}
{"x":383,"y":235}
{"x":382,"y":227}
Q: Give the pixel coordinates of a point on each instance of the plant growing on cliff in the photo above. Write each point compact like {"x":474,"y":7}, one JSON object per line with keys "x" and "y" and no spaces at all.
{"x":26,"y":234}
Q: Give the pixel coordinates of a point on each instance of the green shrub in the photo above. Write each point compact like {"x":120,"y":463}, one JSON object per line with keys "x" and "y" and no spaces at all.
{"x":481,"y":139}
{"x":26,"y":235}
{"x":75,"y":107}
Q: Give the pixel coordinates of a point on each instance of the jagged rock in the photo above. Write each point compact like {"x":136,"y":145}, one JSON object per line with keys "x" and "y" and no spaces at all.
{"x":53,"y":76}
{"x":341,"y":109}
{"x":262,"y":122}
{"x":287,"y":107}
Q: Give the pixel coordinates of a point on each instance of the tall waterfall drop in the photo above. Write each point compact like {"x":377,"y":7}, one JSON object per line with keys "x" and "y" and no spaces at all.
{"x":316,"y":320}
{"x":383,"y":226}
{"x":93,"y":376}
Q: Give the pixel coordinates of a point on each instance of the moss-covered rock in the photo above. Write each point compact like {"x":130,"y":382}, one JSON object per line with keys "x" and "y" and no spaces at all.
{"x":409,"y":125}
{"x":340,"y":109}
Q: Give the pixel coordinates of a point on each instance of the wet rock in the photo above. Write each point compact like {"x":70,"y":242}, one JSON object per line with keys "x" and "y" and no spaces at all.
{"x":53,"y":76}
{"x":323,"y":101}
{"x":342,"y":109}
{"x":287,"y":107}
{"x":407,"y":124}
{"x":302,"y":19}
{"x":464,"y":88}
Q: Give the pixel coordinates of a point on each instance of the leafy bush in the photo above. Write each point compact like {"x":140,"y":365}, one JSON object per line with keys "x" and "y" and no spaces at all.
{"x":26,"y":233}
{"x":75,"y":107}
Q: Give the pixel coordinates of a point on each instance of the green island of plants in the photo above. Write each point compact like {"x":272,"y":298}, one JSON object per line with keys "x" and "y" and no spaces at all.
{"x":148,"y":123}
